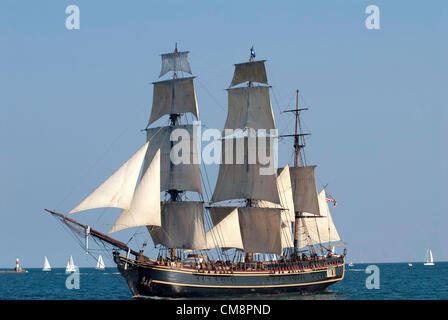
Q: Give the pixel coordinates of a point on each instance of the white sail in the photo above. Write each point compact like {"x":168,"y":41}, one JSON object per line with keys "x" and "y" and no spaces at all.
{"x":218,"y":213}
{"x":175,"y":61}
{"x":429,"y":259}
{"x":117,"y":191}
{"x":329,"y":232}
{"x":304,"y":189}
{"x":47,"y":266}
{"x":100,"y":264}
{"x":285,"y":194}
{"x":182,"y":226}
{"x":225,"y":233}
{"x":173,"y":96}
{"x":241,"y":178}
{"x":249,"y":107}
{"x":260,"y":229}
{"x":287,"y":203}
{"x":70,"y":266}
{"x":318,"y":229}
{"x":183,"y":176}
{"x":145,"y":206}
{"x":286,"y":234}
{"x":253,"y":71}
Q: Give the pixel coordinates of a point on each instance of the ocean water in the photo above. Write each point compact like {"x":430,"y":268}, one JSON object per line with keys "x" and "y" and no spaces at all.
{"x":397,"y":281}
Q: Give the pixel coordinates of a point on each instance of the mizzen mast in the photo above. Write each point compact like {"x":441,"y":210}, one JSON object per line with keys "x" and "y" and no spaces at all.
{"x":302,"y":177}
{"x":299,"y":136}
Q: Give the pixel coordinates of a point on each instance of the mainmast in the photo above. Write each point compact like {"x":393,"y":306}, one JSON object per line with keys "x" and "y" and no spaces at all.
{"x":249,"y":202}
{"x":243,"y":177}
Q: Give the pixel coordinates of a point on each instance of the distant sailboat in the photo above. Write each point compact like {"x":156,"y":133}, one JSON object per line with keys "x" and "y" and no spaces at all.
{"x":429,"y":259}
{"x":100,"y":264}
{"x":47,"y":266}
{"x":410,"y":264}
{"x":70,"y":266}
{"x":351,"y":264}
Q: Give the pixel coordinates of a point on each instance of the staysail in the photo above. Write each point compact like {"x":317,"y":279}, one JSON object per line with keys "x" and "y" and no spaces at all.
{"x":145,"y":205}
{"x":285,"y":195}
{"x":318,"y":229}
{"x":117,"y":191}
{"x":225,"y":233}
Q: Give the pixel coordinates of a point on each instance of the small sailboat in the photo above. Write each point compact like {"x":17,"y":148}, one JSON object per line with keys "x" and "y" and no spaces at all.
{"x":70,"y":266}
{"x":429,"y":259}
{"x":100,"y":264}
{"x":47,"y":266}
{"x":351,"y":264}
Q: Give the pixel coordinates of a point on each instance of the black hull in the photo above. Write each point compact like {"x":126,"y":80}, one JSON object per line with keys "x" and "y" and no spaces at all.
{"x":163,"y":281}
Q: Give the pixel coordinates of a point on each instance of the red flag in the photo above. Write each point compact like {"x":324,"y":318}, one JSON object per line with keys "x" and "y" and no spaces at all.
{"x":331,"y":199}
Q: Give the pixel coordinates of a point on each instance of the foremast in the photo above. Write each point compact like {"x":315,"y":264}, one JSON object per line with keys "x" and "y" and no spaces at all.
{"x":176,"y":97}
{"x":140,"y":199}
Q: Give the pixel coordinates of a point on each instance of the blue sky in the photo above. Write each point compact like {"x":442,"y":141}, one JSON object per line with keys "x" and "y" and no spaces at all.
{"x":73,"y":102}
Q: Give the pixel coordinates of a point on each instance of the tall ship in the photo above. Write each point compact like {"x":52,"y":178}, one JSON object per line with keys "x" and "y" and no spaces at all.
{"x":261,"y":231}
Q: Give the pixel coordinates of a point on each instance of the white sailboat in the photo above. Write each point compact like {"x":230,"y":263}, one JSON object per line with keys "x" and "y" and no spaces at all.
{"x":429,"y":259}
{"x":100,"y":264}
{"x":47,"y":266}
{"x":70,"y":266}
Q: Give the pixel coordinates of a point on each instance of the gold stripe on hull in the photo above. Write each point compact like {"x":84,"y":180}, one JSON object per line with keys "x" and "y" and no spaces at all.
{"x":247,"y":287}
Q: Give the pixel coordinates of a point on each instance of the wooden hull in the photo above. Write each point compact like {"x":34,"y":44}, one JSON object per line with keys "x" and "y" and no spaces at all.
{"x":165,"y":281}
